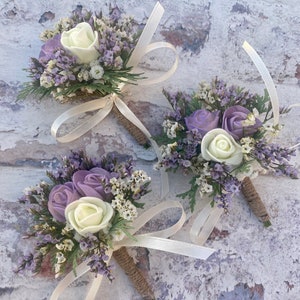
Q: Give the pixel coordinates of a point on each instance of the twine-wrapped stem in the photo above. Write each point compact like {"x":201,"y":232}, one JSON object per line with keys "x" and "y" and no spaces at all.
{"x":255,"y":202}
{"x":127,"y":263}
{"x":131,"y":128}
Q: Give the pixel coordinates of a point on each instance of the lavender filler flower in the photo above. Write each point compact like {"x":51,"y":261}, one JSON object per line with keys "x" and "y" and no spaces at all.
{"x":220,"y":134}
{"x":85,"y":53}
{"x":78,"y":214}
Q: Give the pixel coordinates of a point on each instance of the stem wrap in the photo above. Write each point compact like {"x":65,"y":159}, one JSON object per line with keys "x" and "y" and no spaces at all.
{"x":127,"y":263}
{"x":255,"y":202}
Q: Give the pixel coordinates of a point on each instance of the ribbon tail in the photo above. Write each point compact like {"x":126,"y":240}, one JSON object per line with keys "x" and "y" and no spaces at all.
{"x":126,"y":112}
{"x":155,"y":210}
{"x":104,"y":104}
{"x":262,"y":69}
{"x":146,"y":35}
{"x":129,"y":115}
{"x":158,"y":240}
{"x":204,"y":223}
{"x":295,"y":146}
{"x":172,"y":246}
{"x":82,"y":269}
{"x":167,"y":74}
{"x":91,"y":295}
{"x":293,"y":105}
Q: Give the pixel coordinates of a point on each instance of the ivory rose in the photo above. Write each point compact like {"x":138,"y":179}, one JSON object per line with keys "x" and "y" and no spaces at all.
{"x":89,"y":215}
{"x":218,"y":145}
{"x":81,"y":41}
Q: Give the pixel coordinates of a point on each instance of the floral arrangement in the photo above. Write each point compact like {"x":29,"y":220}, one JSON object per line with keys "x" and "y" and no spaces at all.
{"x":222,"y":135}
{"x":76,"y":216}
{"x":84,"y":54}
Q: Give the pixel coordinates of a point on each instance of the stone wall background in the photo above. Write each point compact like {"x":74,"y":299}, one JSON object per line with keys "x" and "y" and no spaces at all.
{"x":251,"y":262}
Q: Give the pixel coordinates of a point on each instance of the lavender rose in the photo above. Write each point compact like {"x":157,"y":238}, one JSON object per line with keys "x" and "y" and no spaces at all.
{"x":92,"y":183}
{"x":60,"y":196}
{"x":49,"y":47}
{"x":240,"y":122}
{"x":202,"y":120}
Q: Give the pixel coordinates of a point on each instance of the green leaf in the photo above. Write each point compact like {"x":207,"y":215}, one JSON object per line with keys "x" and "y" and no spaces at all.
{"x":120,"y":224}
{"x":107,"y":85}
{"x":191,"y":193}
{"x":163,"y":139}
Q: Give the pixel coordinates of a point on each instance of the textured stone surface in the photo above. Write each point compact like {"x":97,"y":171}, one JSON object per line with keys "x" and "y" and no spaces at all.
{"x":250,"y":262}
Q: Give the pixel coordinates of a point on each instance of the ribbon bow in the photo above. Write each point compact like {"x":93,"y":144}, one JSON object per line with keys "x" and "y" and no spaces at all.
{"x":105,"y":104}
{"x":154,"y":240}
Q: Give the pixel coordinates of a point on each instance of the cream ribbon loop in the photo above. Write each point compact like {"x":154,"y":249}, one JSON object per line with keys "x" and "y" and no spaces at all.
{"x":104,"y":105}
{"x":154,"y":240}
{"x":167,"y":74}
{"x":204,"y":223}
{"x":146,"y":35}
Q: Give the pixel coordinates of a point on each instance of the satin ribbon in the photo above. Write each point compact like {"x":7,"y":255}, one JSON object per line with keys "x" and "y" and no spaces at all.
{"x":105,"y":104}
{"x":157,"y":240}
{"x":269,"y":84}
{"x":204,"y":223}
{"x":207,"y":217}
{"x":265,"y":74}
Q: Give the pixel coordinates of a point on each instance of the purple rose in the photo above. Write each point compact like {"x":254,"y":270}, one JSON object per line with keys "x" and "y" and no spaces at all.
{"x":48,"y":48}
{"x":60,"y":196}
{"x":92,"y":183}
{"x":240,"y":122}
{"x":202,"y":120}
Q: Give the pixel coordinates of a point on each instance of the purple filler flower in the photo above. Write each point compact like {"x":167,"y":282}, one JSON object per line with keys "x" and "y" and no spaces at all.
{"x":233,"y":120}
{"x":60,"y":196}
{"x":49,"y":47}
{"x":202,"y":120}
{"x":92,"y":183}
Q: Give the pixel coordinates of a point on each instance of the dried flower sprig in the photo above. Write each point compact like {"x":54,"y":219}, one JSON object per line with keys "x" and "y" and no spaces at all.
{"x":86,"y":205}
{"x":221,"y":134}
{"x":84,"y":54}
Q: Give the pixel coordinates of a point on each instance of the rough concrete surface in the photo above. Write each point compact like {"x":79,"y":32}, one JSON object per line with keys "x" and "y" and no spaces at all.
{"x":251,"y":262}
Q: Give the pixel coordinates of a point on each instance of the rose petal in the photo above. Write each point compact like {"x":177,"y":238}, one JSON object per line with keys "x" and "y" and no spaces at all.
{"x":83,"y":37}
{"x":221,"y":146}
{"x":230,"y":151}
{"x":233,"y":119}
{"x":83,"y":210}
{"x":60,"y":196}
{"x":81,"y":41}
{"x":94,"y":219}
{"x":91,"y":183}
{"x":89,"y":215}
{"x":202,"y":120}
